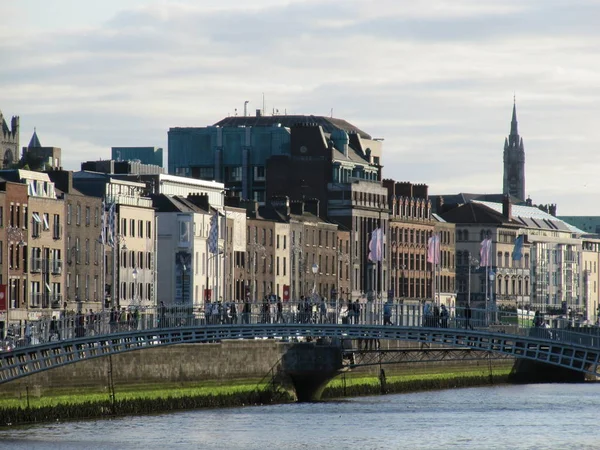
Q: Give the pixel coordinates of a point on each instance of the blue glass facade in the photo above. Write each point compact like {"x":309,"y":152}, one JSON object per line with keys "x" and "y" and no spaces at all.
{"x":146,"y":155}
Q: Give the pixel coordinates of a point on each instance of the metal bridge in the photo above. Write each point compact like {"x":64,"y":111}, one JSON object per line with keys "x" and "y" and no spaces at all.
{"x":576,"y":349}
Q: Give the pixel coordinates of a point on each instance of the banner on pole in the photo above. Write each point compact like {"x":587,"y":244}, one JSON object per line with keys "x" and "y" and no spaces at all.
{"x":3,"y":299}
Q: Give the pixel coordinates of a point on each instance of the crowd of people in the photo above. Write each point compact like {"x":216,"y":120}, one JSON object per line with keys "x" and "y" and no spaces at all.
{"x":311,"y":309}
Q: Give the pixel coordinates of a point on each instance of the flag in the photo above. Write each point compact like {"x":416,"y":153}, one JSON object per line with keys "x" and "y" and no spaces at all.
{"x":111,"y":231}
{"x":518,"y":249}
{"x":484,"y":252}
{"x":376,"y":245}
{"x":433,"y":249}
{"x":213,"y":235}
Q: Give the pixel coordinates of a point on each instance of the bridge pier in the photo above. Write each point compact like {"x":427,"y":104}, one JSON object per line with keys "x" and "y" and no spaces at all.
{"x":310,"y":367}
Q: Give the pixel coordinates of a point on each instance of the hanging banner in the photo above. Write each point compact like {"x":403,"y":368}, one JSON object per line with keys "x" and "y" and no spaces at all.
{"x":286,"y":293}
{"x":3,"y":299}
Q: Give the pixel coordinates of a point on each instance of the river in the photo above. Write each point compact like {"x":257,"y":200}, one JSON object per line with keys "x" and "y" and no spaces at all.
{"x":544,"y":416}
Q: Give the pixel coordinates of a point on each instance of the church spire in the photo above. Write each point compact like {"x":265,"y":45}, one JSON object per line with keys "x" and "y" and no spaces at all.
{"x":514,"y":130}
{"x":34,"y":142}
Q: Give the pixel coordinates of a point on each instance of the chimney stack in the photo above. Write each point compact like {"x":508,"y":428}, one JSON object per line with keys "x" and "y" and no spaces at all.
{"x":506,"y":207}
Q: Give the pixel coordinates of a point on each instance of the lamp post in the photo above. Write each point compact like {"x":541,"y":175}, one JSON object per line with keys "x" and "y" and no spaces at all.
{"x":471,"y":263}
{"x":117,"y":262}
{"x":13,"y":233}
{"x":255,"y":247}
{"x":489,"y":305}
{"x":297,"y":254}
{"x":134,"y":293}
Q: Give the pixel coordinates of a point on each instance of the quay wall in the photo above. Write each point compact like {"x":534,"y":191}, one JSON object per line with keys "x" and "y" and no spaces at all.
{"x":231,"y":359}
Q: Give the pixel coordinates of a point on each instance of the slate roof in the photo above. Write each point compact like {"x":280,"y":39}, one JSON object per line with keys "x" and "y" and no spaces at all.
{"x":167,"y":203}
{"x":533,"y":217}
{"x":34,"y":142}
{"x":329,"y":124}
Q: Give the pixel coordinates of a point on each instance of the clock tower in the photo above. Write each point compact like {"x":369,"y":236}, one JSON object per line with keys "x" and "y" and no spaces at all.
{"x":514,"y":161}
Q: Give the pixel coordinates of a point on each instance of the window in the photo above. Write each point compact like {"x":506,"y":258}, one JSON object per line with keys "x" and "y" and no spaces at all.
{"x":46,"y":222}
{"x":88,"y":216}
{"x":140,"y":228}
{"x":184,"y":232}
{"x":78,"y":215}
{"x":132,"y":227}
{"x":56,"y":231}
{"x":87,"y":251}
{"x":259,"y":173}
{"x":69,"y":214}
{"x":206,"y":173}
{"x":235,"y":173}
{"x":77,"y":251}
{"x":124,"y":226}
{"x":96,"y":216}
{"x":37,"y":224}
{"x":149,"y":229}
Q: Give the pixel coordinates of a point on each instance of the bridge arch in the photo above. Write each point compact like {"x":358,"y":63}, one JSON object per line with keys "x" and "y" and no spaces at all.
{"x":581,"y":356}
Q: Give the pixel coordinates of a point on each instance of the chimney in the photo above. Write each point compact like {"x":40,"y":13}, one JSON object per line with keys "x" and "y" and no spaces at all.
{"x":251,"y":207}
{"x":297,"y":207}
{"x":506,"y":207}
{"x":421,"y":191}
{"x":552,"y":209}
{"x":62,"y":179}
{"x":311,"y":205}
{"x":200,"y":200}
{"x":258,"y":113}
{"x":281,"y":204}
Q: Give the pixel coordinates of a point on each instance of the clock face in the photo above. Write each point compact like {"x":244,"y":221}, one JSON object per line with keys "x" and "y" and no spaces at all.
{"x":303,"y":149}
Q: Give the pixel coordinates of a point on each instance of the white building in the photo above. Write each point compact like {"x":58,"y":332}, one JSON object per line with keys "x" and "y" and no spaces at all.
{"x":188,"y":273}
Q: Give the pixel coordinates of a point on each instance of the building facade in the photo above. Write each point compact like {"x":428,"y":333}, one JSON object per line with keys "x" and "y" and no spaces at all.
{"x":84,"y":255}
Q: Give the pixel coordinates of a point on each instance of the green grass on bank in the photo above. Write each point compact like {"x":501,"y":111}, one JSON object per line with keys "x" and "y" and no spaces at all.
{"x":132,"y":392}
{"x":412,"y":379}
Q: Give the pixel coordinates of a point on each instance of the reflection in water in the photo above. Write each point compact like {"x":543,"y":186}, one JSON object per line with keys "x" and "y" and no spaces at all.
{"x":516,"y":417}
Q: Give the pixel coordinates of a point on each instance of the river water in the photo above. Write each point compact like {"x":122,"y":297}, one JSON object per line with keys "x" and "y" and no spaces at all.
{"x":548,"y":416}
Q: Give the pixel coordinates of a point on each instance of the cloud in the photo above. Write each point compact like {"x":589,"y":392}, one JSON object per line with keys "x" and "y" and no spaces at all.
{"x":436,"y":82}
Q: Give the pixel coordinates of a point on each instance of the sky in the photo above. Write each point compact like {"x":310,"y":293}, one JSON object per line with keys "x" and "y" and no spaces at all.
{"x":436,"y":80}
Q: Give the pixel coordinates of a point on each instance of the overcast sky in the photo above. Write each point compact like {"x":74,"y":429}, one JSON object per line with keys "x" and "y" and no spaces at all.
{"x":435,"y":79}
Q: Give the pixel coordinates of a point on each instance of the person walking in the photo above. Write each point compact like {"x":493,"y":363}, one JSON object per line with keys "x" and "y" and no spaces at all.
{"x":468,"y":317}
{"x":387,"y":313}
{"x":279,"y":318}
{"x":444,"y":317}
{"x":246,"y":311}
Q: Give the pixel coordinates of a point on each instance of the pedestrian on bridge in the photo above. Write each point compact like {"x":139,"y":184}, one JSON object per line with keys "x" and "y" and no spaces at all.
{"x":468,"y":317}
{"x":387,"y":313}
{"x":444,"y":317}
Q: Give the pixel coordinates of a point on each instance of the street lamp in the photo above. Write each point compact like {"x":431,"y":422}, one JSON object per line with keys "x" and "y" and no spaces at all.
{"x":492,"y":277}
{"x":472,"y":263}
{"x":14,"y":234}
{"x":255,"y":247}
{"x":134,"y":274}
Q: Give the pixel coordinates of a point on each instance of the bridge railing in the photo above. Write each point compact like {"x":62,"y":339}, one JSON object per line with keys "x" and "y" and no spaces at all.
{"x":70,"y":326}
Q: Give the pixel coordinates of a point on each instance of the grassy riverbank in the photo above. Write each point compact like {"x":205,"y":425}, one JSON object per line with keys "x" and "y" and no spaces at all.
{"x":65,"y":404}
